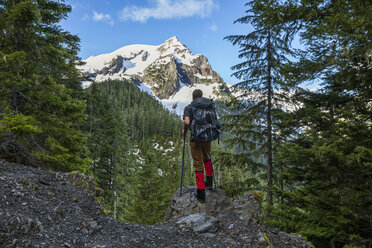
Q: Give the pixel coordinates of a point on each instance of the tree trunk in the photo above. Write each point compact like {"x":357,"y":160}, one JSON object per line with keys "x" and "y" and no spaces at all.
{"x":115,"y":206}
{"x":15,"y":98}
{"x":15,"y":90}
{"x":114,"y":174}
{"x":281,"y":182}
{"x":269,"y":128}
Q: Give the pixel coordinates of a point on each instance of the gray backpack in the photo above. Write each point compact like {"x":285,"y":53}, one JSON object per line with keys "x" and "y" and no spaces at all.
{"x":204,"y":123}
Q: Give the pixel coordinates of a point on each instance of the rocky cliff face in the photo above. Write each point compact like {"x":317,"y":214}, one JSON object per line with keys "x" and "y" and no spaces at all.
{"x":165,"y":68}
{"x":40,"y":208}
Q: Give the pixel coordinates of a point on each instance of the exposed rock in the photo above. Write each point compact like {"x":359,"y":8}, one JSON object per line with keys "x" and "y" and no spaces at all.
{"x":113,"y":66}
{"x":34,"y":225}
{"x":162,"y":77}
{"x":145,"y":56}
{"x":217,"y":204}
{"x":90,"y":74}
{"x":173,"y":66}
{"x":263,"y":240}
{"x":186,"y":203}
{"x":219,"y":216}
{"x":248,"y":206}
{"x":40,"y":208}
{"x":165,"y":78}
{"x":199,"y":223}
{"x":172,"y":42}
{"x":205,"y":69}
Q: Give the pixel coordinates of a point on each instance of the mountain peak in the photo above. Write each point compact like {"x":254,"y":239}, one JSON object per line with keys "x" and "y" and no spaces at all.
{"x":172,"y":39}
{"x":169,"y":71}
{"x":171,"y":44}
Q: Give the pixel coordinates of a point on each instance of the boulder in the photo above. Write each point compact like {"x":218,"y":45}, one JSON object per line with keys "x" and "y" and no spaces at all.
{"x":248,"y":206}
{"x":184,"y":204}
{"x":217,"y":204}
{"x":234,"y":222}
{"x":185,"y":208}
{"x":199,"y":223}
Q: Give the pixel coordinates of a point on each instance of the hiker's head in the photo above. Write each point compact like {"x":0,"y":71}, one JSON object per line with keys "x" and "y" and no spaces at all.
{"x":197,"y":93}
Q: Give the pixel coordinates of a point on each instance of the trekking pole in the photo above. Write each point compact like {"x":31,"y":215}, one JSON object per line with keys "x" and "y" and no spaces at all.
{"x":183,"y":156}
{"x":214,"y":180}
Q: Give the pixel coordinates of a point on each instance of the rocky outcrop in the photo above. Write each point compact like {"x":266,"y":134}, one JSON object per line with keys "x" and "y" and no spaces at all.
{"x":113,"y":66}
{"x":218,"y":217}
{"x":184,"y":204}
{"x":173,"y":42}
{"x":199,"y":223}
{"x":41,"y":208}
{"x":201,"y":72}
{"x":145,"y":56}
{"x":165,"y":78}
{"x":205,"y":70}
{"x":162,"y":77}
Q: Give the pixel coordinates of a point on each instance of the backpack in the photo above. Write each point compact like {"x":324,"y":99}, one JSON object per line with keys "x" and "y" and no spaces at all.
{"x":204,"y":125}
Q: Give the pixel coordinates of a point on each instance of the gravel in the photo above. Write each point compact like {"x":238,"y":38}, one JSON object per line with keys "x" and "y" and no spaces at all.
{"x":42,"y":208}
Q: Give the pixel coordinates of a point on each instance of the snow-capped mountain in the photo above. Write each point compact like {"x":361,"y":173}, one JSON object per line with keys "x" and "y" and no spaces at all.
{"x":168,"y":71}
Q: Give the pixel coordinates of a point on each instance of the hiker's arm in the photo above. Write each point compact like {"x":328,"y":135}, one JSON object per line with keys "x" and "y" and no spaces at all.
{"x":186,"y":124}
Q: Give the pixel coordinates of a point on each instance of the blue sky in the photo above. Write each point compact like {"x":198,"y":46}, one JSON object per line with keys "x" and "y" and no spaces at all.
{"x":104,"y":26}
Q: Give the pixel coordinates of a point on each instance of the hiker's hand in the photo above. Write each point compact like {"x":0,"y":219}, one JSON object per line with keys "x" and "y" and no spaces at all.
{"x":186,"y":124}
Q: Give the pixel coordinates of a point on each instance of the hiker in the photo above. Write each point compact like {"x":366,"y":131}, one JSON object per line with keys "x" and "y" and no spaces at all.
{"x":201,"y":118}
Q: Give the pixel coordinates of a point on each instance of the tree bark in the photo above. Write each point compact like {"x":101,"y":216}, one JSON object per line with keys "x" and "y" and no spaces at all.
{"x":269,"y":128}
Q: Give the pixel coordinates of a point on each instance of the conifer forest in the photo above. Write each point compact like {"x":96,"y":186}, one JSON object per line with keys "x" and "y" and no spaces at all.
{"x":313,"y":162}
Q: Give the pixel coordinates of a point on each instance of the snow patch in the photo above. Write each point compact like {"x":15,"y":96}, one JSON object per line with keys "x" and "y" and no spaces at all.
{"x":132,"y":60}
{"x":203,"y":77}
{"x":127,"y":64}
{"x":143,"y":87}
{"x":183,"y":97}
{"x":85,"y":84}
{"x":158,"y":147}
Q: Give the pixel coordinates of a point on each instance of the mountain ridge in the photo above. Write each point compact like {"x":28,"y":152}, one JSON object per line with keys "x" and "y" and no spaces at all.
{"x":169,"y":72}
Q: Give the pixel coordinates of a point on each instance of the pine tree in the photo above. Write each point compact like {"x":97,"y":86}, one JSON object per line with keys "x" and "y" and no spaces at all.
{"x":39,"y":85}
{"x":108,"y":144}
{"x":111,"y":146}
{"x":155,"y":180}
{"x":265,"y":52}
{"x":119,"y":129}
{"x":328,"y":169}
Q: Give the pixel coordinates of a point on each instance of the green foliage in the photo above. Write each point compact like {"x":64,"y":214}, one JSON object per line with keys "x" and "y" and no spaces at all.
{"x":122,"y":123}
{"x":108,"y":144}
{"x":327,"y":191}
{"x":18,"y":125}
{"x":144,"y":115}
{"x":39,"y":85}
{"x":154,"y":180}
{"x":257,"y":110}
{"x":322,"y":151}
{"x":233,"y":172}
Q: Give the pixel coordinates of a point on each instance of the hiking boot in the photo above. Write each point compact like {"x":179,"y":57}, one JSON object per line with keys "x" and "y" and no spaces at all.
{"x":209,"y":183}
{"x":200,"y":195}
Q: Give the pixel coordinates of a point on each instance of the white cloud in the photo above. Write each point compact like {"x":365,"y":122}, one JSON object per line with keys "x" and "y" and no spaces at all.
{"x":85,"y":18}
{"x":169,"y":9}
{"x":213,"y":27}
{"x":101,"y":17}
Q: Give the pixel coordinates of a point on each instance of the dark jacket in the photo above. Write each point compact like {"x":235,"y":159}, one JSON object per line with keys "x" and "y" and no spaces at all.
{"x":200,"y":102}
